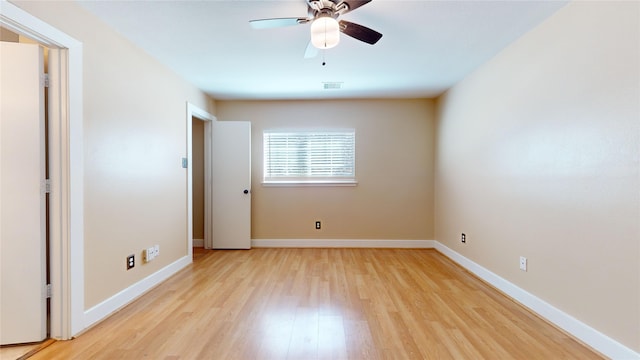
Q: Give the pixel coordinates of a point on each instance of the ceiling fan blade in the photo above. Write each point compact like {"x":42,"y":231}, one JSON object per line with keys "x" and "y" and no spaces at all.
{"x":360,"y":32}
{"x":311,"y":51}
{"x":276,"y":22}
{"x":354,"y":4}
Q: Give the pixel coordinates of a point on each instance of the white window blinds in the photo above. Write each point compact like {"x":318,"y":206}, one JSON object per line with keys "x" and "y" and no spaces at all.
{"x":309,"y":156}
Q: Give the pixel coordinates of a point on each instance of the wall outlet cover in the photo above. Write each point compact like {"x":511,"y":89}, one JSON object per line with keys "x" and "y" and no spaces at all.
{"x":131,"y":261}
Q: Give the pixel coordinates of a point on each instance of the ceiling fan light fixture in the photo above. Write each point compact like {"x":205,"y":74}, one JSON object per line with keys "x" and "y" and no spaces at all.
{"x":325,"y":32}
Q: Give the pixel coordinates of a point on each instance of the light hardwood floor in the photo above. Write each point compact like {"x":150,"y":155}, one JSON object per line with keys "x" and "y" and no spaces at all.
{"x":14,"y":352}
{"x":322,"y":304}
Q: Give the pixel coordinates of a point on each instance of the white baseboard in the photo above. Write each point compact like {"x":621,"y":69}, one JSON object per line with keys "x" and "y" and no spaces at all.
{"x":341,"y":243}
{"x":124,"y":297}
{"x":198,"y":243}
{"x":590,"y":336}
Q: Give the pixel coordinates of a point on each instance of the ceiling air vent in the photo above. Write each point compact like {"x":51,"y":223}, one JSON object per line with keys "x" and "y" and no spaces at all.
{"x":332,"y":85}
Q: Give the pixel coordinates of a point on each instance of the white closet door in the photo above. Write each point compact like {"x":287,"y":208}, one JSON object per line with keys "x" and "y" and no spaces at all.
{"x":231,"y":185}
{"x":22,"y":195}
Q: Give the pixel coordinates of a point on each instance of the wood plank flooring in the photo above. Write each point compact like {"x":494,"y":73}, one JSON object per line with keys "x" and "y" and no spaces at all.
{"x":322,"y":304}
{"x":22,"y":351}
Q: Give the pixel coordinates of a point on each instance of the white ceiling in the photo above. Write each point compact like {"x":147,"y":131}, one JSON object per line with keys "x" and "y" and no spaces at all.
{"x":427,"y":46}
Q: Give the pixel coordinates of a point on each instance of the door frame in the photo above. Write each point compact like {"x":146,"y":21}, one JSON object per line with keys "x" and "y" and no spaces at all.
{"x":66,"y":168}
{"x":200,"y":114}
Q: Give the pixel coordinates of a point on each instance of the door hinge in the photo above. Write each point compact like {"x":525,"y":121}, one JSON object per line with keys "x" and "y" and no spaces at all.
{"x":48,"y":291}
{"x":47,"y":186}
{"x":45,"y":80}
{"x":185,"y":163}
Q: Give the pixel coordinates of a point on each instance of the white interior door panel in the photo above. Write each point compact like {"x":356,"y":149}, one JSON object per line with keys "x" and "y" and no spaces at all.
{"x":22,"y":195}
{"x":231,"y":177}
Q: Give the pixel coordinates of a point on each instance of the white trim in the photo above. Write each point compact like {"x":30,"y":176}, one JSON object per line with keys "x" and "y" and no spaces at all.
{"x":294,"y":183}
{"x":341,"y":243}
{"x":126,"y":296}
{"x":67,"y":244}
{"x":199,"y":113}
{"x":198,"y":243}
{"x":208,"y":184}
{"x":590,"y":336}
{"x":58,"y":229}
{"x":75,"y":189}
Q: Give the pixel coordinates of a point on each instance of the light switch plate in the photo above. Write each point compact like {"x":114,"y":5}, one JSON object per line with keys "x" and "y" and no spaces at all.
{"x":523,"y":263}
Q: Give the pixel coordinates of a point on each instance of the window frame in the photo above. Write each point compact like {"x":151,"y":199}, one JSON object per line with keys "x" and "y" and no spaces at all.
{"x":308,"y":180}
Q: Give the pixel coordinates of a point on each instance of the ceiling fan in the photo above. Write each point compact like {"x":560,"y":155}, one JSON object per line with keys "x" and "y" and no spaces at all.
{"x":325,"y":28}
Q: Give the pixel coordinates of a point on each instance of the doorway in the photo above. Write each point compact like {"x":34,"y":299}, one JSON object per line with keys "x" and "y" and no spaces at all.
{"x":27,"y":334}
{"x":203,"y":121}
{"x":198,"y":183}
{"x":227,"y":179}
{"x":65,"y":168}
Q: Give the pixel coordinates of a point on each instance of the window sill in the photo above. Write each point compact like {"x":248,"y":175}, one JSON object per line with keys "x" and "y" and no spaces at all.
{"x":294,"y":183}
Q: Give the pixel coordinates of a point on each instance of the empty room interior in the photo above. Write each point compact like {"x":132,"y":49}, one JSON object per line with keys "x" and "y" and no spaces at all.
{"x":447,"y":179}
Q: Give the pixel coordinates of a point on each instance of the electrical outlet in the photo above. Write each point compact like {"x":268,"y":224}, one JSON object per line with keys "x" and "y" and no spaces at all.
{"x":151,"y":253}
{"x":463,"y":238}
{"x":523,"y":263}
{"x":131,"y":261}
{"x":318,"y":225}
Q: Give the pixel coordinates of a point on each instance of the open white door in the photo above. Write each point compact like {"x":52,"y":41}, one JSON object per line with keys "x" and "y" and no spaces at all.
{"x":22,"y":195}
{"x":231,"y":175}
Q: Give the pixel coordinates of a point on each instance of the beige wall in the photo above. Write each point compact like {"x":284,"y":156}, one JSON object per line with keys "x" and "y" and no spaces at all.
{"x":537,"y":156}
{"x":134,"y":138}
{"x":197,"y":168}
{"x":394,"y":163}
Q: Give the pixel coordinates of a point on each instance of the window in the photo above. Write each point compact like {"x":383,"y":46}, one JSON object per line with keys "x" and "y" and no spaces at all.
{"x":309,"y":157}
